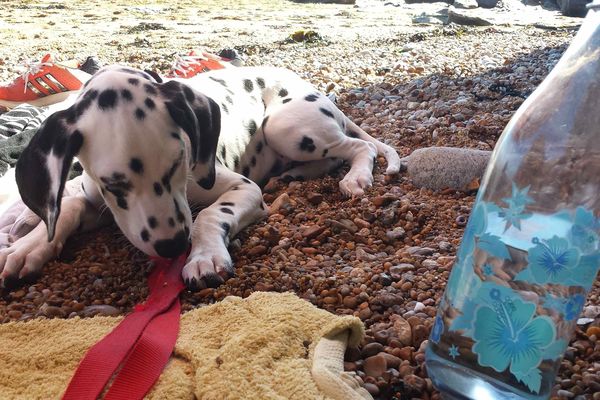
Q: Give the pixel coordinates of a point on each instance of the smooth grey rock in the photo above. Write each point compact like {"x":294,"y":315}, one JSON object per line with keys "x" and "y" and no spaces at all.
{"x":439,"y":168}
{"x":430,"y":19}
{"x":466,"y":17}
{"x":465,"y":4}
{"x":487,"y":3}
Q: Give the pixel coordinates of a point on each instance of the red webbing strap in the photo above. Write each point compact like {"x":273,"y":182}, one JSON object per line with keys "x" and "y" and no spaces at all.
{"x":103,"y":359}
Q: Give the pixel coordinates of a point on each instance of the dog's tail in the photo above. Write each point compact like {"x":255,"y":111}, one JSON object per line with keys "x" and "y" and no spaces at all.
{"x":390,"y":155}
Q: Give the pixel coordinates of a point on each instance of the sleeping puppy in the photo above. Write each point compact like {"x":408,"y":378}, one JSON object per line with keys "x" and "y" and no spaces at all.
{"x":151,"y":149}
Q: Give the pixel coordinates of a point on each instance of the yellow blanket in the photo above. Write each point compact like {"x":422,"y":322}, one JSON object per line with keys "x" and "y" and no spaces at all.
{"x":268,"y":346}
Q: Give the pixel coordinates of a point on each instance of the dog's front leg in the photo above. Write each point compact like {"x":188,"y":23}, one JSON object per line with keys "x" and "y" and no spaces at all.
{"x":25,"y":256}
{"x":235,"y":202}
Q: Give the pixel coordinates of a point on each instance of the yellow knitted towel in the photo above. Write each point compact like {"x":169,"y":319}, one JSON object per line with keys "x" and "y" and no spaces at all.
{"x":268,"y":346}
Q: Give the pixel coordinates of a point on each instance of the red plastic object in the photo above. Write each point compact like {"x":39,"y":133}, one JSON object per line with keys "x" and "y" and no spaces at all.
{"x":141,"y":344}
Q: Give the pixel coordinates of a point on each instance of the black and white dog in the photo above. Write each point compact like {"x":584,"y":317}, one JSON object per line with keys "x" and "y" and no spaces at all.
{"x":150,"y":149}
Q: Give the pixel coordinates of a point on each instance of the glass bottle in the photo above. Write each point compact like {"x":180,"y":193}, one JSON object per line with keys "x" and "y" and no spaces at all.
{"x":531,"y":251}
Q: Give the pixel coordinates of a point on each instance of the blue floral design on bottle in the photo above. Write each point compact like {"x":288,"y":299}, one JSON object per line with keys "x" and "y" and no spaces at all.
{"x":453,"y":351}
{"x":574,"y":306}
{"x":437,"y":329}
{"x":508,"y":335}
{"x":550,"y":261}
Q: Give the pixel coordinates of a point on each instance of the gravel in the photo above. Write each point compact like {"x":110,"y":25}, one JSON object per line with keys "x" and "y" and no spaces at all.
{"x":385,"y":257}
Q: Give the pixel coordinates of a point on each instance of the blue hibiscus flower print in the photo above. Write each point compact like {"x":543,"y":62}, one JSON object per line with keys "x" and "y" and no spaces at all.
{"x":552,"y":260}
{"x":508,"y":335}
{"x":437,"y":330}
{"x":574,"y":306}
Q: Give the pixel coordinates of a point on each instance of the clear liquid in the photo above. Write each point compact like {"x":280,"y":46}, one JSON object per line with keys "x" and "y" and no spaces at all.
{"x":452,"y":363}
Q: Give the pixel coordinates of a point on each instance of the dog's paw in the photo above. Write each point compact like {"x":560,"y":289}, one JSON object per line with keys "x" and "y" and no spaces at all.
{"x":207,"y":268}
{"x":26,"y":256}
{"x":355,"y":185}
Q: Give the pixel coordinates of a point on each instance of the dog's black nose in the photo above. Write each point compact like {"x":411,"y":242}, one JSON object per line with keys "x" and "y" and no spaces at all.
{"x":171,"y":248}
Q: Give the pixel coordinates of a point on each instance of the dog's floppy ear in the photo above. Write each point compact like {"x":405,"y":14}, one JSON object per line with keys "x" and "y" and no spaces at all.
{"x":200,"y":117}
{"x":42,"y":168}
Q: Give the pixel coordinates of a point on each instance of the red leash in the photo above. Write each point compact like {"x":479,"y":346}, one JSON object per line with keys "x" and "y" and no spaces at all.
{"x":142,"y":343}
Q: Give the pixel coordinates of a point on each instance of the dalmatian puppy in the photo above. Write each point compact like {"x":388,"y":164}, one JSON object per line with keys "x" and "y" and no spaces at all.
{"x":152,"y":149}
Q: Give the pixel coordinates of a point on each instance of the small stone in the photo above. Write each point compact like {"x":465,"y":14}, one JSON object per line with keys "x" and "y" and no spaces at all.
{"x":313,"y":231}
{"x":375,"y":366}
{"x":384,"y":200}
{"x":101,"y":309}
{"x":415,"y":382}
{"x":350,"y":302}
{"x":372,"y":389}
{"x":402,"y":329}
{"x":314,"y":198}
{"x":343,"y":224}
{"x":391,"y":360}
{"x":565,"y":393}
{"x":419,"y":334}
{"x":593,"y":330}
{"x":279,"y":203}
{"x":365,"y":313}
{"x":396,"y":233}
{"x":371,"y":349}
{"x":257,"y":250}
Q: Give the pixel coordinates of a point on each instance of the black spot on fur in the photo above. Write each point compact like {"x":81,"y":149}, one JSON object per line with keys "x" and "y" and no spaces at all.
{"x":236,"y":161}
{"x":325,"y":153}
{"x":145,"y":235}
{"x":226,"y":210}
{"x":152,"y":222}
{"x":253,"y":161}
{"x":224,"y":107}
{"x":107,"y":99}
{"x":262,"y":206}
{"x":326,"y":112}
{"x":229,"y":99}
{"x":126,"y":95}
{"x":178,"y":213}
{"x":121,"y":202}
{"x":352,"y":134}
{"x":220,"y":81}
{"x":150,"y":89}
{"x":134,"y":81}
{"x":136,"y":165}
{"x":154,"y":75}
{"x":226,"y":228}
{"x":260,"y":82}
{"x":175,"y":135}
{"x":245,"y":180}
{"x":307,"y":144}
{"x":259,"y":147}
{"x":171,"y":222}
{"x":149,"y":103}
{"x":246,"y":171}
{"x":223,"y":153}
{"x":158,"y":189}
{"x":140,"y":114}
{"x":251,"y":126}
{"x":227,"y":204}
{"x":248,"y":85}
{"x":205,"y":183}
{"x":311,"y":97}
{"x":283,"y":93}
{"x":286,"y":100}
